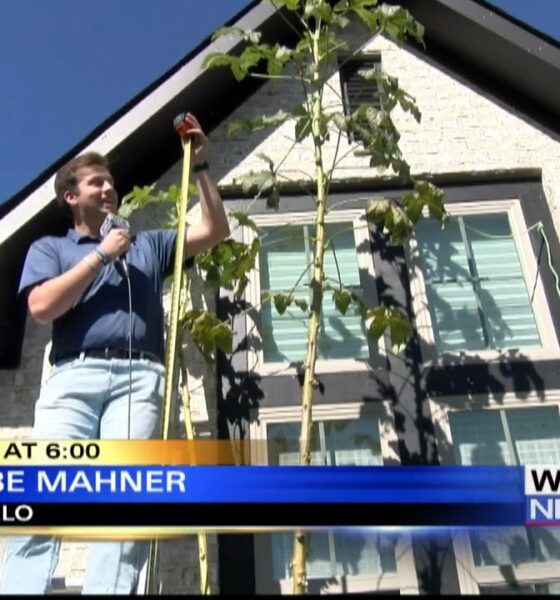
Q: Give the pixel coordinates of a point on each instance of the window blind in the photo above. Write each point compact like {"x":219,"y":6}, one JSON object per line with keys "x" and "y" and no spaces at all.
{"x":514,"y":436}
{"x":285,"y":258}
{"x":334,"y":442}
{"x":477,"y":294}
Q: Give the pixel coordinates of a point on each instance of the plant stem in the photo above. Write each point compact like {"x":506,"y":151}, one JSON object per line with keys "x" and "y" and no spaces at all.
{"x":309,"y":382}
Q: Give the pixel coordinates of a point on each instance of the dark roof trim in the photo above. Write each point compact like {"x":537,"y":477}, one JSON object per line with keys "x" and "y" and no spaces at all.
{"x":479,"y":37}
{"x":521,"y":24}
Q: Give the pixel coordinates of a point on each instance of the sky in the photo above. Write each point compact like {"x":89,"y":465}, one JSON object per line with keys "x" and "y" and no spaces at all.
{"x":67,"y":65}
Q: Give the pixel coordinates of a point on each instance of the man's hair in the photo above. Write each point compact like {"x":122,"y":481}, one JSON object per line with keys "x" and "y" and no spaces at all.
{"x":66,"y":178}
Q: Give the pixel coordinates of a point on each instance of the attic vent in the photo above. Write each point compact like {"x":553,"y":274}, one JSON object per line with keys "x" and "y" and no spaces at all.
{"x":355,"y":89}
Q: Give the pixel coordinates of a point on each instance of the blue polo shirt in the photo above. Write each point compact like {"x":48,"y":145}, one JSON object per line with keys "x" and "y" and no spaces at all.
{"x":100,"y":317}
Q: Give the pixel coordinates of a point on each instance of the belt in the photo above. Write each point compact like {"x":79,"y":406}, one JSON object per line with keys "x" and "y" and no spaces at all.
{"x":109,"y":353}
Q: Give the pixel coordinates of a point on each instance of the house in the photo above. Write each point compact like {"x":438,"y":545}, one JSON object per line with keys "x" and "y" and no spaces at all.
{"x":479,"y":382}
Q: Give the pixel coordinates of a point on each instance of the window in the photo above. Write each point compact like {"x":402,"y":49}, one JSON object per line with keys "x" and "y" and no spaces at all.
{"x":513,"y":432}
{"x":285,"y":265}
{"x":355,"y":89}
{"x":476,"y":286}
{"x":339,"y":560}
{"x":522,"y":589}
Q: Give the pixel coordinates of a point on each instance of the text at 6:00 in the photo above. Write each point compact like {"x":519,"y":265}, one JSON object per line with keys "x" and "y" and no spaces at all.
{"x":75,"y":450}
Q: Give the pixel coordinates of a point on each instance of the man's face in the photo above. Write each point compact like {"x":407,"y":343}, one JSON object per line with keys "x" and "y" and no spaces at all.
{"x":95,"y":195}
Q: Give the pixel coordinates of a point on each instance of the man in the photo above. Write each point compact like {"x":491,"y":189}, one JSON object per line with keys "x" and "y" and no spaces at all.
{"x":77,"y":284}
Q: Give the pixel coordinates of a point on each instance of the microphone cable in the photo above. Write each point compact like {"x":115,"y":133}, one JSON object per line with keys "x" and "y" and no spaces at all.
{"x":111,"y":221}
{"x":129,"y":410}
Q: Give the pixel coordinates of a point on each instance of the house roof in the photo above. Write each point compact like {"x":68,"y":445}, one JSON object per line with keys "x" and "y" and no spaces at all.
{"x":509,"y":60}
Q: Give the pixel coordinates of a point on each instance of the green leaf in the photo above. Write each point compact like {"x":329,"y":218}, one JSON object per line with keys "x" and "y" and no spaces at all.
{"x":398,"y":224}
{"x":330,"y":43}
{"x":281,"y":302}
{"x":223,"y":337}
{"x":208,"y":332}
{"x":377,"y":208}
{"x":369,"y":17}
{"x":239,"y":65}
{"x":381,"y":318}
{"x":389,"y":93}
{"x":302,"y":303}
{"x":378,"y":322}
{"x":258,"y":183}
{"x":261,"y":121}
{"x":345,"y":5}
{"x":303,"y":128}
{"x":277,"y":57}
{"x":140,"y":197}
{"x":414,"y":206}
{"x":219,"y":59}
{"x":227,"y":264}
{"x":341,"y":121}
{"x":266,"y":159}
{"x":427,"y":195}
{"x":248,"y":35}
{"x":174,"y":192}
{"x":244,"y":220}
{"x":399,"y":24}
{"x":342,"y":299}
{"x":273,"y":199}
{"x":319,"y":10}
{"x":289,"y":4}
{"x":400,"y":330}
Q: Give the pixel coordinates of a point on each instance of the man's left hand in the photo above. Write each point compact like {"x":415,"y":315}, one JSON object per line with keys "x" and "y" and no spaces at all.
{"x":200,"y":142}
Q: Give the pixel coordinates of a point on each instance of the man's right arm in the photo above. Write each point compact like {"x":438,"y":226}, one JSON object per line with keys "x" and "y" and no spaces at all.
{"x":54,"y":297}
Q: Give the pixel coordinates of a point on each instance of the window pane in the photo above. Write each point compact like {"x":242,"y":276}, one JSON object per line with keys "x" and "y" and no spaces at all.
{"x":479,"y":438}
{"x":342,"y":336}
{"x":333,"y":553}
{"x":536,"y":434}
{"x":451,"y":297}
{"x":283,"y":260}
{"x":353,"y":442}
{"x":282,"y":442}
{"x":505,"y":300}
{"x":361,"y":552}
{"x":476,"y":291}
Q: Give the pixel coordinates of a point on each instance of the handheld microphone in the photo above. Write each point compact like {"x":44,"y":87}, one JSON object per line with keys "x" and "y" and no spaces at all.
{"x":113,"y":221}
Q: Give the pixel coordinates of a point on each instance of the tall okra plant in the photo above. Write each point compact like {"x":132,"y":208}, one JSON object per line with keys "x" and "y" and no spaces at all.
{"x":309,"y":62}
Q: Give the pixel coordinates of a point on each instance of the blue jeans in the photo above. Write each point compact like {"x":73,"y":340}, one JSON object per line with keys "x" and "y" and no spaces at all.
{"x":88,"y":399}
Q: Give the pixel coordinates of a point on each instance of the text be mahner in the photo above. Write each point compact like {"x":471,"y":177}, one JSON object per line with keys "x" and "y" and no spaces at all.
{"x":149,"y":480}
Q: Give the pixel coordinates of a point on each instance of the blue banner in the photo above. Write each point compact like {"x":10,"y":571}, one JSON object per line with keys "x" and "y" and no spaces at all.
{"x":263,"y":484}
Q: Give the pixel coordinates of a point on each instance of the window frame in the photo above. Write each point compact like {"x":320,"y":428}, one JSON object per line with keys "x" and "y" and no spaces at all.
{"x":405,"y":578}
{"x":355,"y":217}
{"x":469,"y":575}
{"x":531,"y":273}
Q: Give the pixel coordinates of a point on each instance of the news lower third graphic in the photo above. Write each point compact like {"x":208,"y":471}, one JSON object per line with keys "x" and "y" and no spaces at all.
{"x":542,"y":493}
{"x":155,"y":487}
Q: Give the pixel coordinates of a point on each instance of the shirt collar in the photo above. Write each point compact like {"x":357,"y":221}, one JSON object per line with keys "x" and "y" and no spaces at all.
{"x":78,"y":238}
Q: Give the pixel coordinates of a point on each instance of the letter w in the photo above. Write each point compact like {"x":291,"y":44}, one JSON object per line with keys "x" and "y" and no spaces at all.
{"x":546,"y":478}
